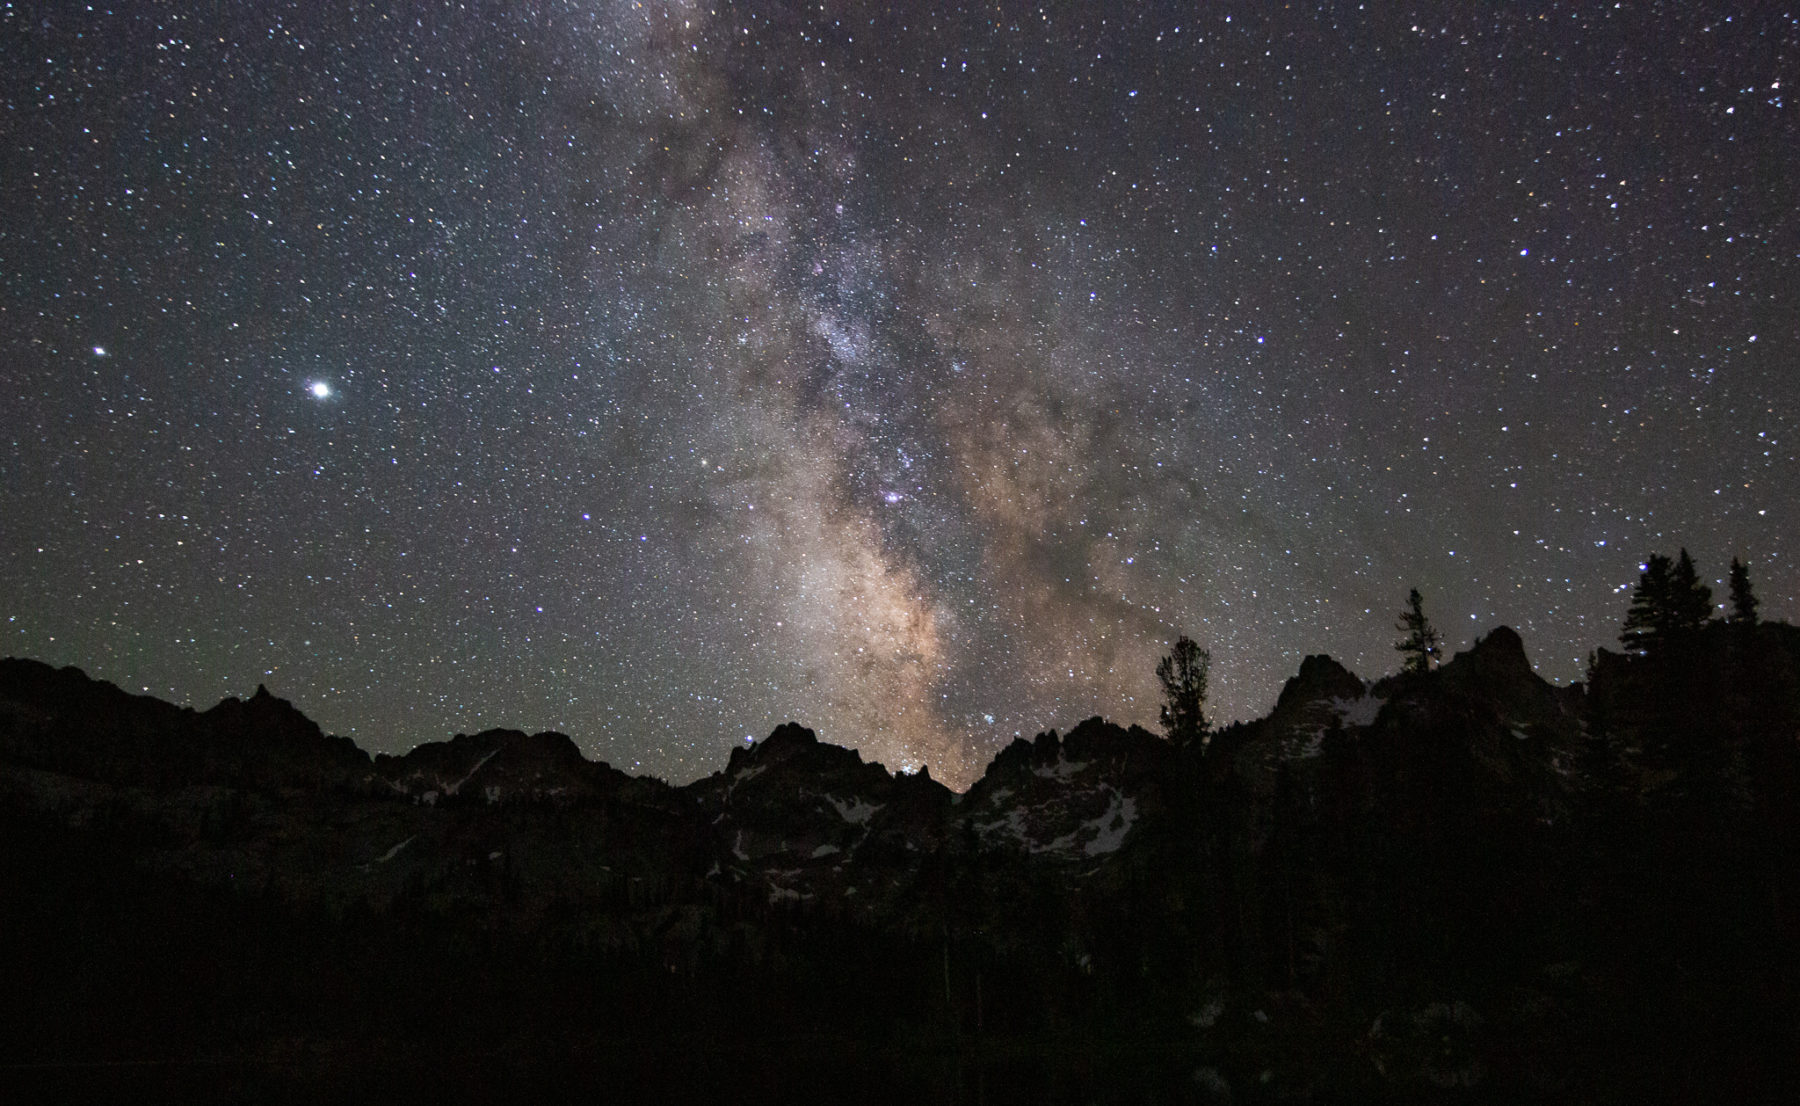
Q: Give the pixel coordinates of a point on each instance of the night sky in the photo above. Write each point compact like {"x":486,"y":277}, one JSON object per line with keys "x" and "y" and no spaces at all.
{"x":658,"y":372}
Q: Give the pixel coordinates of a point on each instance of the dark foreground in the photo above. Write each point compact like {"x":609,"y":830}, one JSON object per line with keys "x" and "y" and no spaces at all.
{"x":1466,"y":886}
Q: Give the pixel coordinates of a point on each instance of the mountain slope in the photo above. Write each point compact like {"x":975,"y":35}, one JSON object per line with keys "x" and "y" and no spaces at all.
{"x":1465,"y":881}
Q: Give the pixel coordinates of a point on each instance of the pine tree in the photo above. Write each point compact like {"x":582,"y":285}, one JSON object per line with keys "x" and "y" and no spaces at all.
{"x":1646,"y":622}
{"x":1182,"y":674}
{"x":1420,"y":646}
{"x":1743,"y":601}
{"x":1691,"y":605}
{"x":1668,"y":603}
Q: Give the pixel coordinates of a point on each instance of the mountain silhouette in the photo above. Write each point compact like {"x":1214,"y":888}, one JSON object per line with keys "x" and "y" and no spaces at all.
{"x":1462,"y":883}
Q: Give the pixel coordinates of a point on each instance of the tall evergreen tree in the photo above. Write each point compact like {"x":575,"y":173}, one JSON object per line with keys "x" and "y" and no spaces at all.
{"x":1669,"y":602}
{"x":1743,"y":601}
{"x":1646,"y":622}
{"x":1421,"y":645}
{"x":1182,"y":674}
{"x":1691,"y":605}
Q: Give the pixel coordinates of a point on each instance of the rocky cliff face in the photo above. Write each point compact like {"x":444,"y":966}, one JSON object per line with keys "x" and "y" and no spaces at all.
{"x":1073,"y":800}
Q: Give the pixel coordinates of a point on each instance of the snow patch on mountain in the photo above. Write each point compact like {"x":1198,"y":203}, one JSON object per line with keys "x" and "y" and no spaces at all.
{"x":395,"y":851}
{"x":857,"y":811}
{"x":1095,"y":836}
{"x":1061,"y":770}
{"x":451,"y":789}
{"x":1360,"y":711}
{"x":1013,"y":824}
{"x":1110,"y":828}
{"x":1350,"y":713}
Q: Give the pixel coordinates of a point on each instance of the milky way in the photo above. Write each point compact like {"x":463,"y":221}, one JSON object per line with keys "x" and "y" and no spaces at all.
{"x":658,"y":372}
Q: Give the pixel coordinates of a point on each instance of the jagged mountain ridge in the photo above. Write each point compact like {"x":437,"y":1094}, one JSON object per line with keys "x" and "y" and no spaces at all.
{"x":788,"y":818}
{"x":59,"y":719}
{"x":1367,"y":864}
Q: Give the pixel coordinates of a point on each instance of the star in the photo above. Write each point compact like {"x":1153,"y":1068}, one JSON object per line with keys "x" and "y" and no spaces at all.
{"x":319,"y":389}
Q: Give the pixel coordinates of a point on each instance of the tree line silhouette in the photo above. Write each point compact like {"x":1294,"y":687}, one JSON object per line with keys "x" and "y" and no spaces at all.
{"x":1669,"y":606}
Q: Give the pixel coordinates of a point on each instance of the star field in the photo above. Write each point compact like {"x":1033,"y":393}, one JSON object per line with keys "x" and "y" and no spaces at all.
{"x":658,"y":372}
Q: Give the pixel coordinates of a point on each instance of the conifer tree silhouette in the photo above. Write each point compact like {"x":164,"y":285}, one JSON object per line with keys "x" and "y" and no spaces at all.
{"x":1743,"y":600}
{"x":1646,"y":621}
{"x":1691,"y":604}
{"x":1182,"y":674}
{"x":1668,"y":603}
{"x":1421,"y":645}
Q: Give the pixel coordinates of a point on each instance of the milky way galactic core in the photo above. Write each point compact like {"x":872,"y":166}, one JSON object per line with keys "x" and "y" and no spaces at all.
{"x":659,"y":372}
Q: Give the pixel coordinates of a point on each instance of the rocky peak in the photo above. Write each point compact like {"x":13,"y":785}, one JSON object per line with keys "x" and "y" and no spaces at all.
{"x":788,"y":738}
{"x":262,"y":716}
{"x":795,"y":818}
{"x":60,"y":720}
{"x":1319,"y":678}
{"x":1096,"y":739}
{"x":785,"y":742}
{"x":1496,"y":673}
{"x":1321,"y":697}
{"x":496,"y":765}
{"x":793,"y":758}
{"x":1498,"y":655}
{"x":1073,"y":799}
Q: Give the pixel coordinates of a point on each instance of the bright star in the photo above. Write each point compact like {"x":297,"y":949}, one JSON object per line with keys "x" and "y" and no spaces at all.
{"x":320,"y":389}
{"x":100,"y":351}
